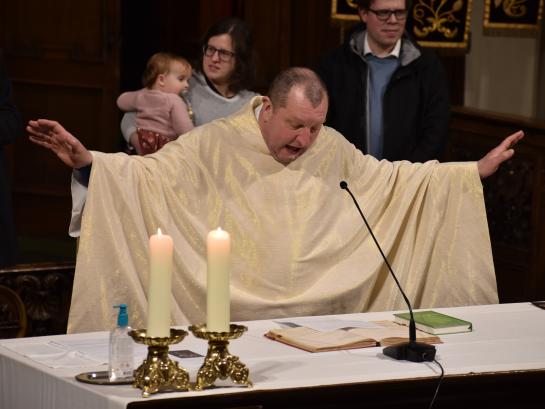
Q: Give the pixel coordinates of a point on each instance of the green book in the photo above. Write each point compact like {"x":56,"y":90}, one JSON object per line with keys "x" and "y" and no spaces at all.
{"x":434,"y":322}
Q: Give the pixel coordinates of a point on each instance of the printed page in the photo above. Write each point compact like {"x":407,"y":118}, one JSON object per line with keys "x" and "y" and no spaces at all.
{"x":393,"y":333}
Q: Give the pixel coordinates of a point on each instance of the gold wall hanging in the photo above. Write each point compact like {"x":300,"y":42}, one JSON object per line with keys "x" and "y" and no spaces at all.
{"x":513,"y":14}
{"x":344,"y":10}
{"x":441,"y":23}
{"x":433,"y":23}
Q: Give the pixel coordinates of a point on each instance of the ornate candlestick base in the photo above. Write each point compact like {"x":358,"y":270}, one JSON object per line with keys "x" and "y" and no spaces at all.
{"x":158,"y":373}
{"x":219,"y":363}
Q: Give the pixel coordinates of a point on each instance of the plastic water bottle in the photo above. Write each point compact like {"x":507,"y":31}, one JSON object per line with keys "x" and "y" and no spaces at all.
{"x":121,"y":363}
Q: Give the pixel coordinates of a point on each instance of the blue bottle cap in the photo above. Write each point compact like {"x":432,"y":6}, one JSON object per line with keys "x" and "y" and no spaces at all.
{"x":122,"y":317}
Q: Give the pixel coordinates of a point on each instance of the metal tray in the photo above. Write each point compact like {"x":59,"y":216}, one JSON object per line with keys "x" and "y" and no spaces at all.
{"x":102,"y":378}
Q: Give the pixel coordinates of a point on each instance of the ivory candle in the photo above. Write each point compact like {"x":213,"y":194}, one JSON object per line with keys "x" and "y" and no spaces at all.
{"x":159,"y":289}
{"x":218,"y":245}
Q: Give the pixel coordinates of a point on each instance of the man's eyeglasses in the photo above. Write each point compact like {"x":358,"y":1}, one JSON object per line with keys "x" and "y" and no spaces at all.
{"x":224,"y":55}
{"x":384,"y":15}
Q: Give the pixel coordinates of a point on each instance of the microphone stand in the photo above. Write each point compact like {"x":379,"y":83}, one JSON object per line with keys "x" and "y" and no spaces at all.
{"x":407,"y":351}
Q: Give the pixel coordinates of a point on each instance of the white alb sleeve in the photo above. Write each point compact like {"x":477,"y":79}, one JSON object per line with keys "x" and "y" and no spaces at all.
{"x":79,"y":195}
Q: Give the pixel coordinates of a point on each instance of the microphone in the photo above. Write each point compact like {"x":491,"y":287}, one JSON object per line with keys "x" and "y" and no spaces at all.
{"x":407,"y":351}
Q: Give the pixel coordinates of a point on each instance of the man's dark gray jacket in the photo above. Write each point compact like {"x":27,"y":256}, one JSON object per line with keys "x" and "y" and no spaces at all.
{"x":416,"y":106}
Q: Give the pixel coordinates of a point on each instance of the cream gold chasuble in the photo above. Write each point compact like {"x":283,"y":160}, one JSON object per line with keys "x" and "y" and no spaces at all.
{"x":299,"y":246}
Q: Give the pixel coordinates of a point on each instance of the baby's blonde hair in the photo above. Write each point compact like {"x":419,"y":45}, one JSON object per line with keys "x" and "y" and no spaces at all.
{"x":159,"y":63}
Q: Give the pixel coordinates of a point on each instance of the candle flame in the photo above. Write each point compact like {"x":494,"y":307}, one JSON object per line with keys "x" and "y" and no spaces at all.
{"x":159,"y":233}
{"x":218,"y":229}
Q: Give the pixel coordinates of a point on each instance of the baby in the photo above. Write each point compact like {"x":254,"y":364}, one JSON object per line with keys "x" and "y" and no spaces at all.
{"x":161,"y":113}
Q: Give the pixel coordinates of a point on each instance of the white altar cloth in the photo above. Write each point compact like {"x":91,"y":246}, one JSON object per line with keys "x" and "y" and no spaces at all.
{"x":507,"y":337}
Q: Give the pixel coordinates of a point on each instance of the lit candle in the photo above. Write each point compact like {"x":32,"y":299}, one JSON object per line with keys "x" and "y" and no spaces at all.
{"x":217,"y":295}
{"x":159,"y":290}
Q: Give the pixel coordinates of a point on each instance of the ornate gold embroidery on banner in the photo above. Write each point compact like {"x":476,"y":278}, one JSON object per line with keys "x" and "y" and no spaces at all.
{"x":441,"y":23}
{"x":352,"y":4}
{"x":512,"y":8}
{"x":344,"y":10}
{"x":440,"y":16}
{"x":513,"y":14}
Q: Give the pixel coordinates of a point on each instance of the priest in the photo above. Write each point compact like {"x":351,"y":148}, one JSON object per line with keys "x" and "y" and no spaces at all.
{"x":269,"y":175}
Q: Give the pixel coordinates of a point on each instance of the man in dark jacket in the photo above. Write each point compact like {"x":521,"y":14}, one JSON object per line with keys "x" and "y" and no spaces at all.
{"x":10,"y":127}
{"x":386,"y":95}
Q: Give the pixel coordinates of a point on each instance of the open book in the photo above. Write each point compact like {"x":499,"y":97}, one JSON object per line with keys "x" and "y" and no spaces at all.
{"x":386,"y":333}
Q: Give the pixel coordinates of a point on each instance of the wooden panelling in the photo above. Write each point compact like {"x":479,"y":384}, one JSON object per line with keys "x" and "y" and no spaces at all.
{"x":74,"y":105}
{"x":60,"y":33}
{"x":272,"y":34}
{"x":313,"y":32}
{"x":454,"y":64}
{"x":63,"y":59}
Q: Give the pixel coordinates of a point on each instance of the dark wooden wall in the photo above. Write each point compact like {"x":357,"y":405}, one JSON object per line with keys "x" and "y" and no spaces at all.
{"x":63,"y":59}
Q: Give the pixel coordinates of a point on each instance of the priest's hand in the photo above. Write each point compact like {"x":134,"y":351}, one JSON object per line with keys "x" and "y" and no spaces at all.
{"x":489,"y":163}
{"x":51,"y":135}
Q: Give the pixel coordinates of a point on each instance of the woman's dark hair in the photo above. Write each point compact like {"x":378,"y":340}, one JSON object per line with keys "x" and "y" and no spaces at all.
{"x":241,"y":36}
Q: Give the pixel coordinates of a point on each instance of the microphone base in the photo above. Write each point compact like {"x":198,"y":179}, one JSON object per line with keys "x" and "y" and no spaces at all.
{"x":411,"y":351}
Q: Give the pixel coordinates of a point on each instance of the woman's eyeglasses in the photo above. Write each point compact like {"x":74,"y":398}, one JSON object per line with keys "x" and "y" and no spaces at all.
{"x":224,"y":55}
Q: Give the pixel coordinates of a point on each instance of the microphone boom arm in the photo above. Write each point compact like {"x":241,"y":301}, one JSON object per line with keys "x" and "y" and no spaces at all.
{"x":411,"y":351}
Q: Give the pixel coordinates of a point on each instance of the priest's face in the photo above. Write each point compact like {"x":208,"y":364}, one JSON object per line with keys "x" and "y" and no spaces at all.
{"x":289,"y":131}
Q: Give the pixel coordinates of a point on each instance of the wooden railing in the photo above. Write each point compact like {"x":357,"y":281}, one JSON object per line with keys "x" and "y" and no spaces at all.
{"x":46,"y":291}
{"x":515,"y":197}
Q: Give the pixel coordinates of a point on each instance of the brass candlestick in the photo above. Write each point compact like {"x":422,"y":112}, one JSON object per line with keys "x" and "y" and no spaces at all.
{"x":219,"y":363}
{"x":158,"y":373}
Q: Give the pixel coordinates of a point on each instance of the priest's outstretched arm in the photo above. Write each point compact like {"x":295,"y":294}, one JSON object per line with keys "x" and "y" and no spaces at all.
{"x":53,"y":136}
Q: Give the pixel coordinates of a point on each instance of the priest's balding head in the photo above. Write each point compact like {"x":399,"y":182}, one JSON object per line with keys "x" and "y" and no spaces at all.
{"x":293,"y":113}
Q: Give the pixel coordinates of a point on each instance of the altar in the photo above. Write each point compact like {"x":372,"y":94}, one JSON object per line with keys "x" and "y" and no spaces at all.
{"x":500,"y":364}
